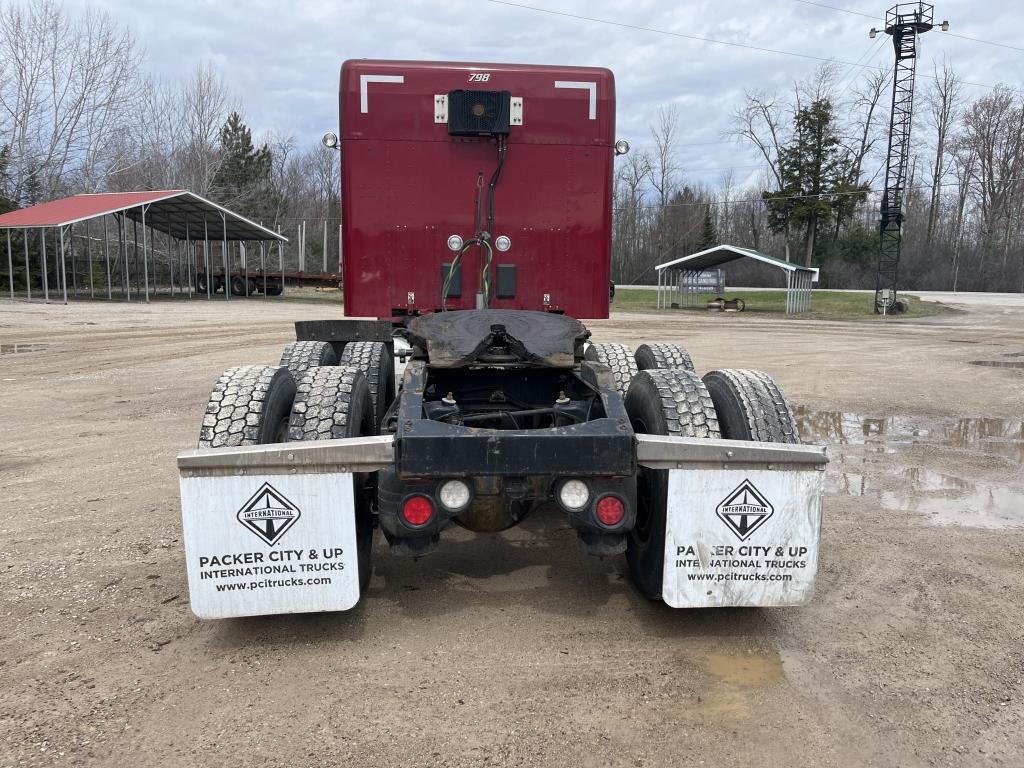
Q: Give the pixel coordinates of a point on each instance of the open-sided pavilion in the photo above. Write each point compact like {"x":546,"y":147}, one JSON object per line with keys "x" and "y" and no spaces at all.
{"x":682,"y":279}
{"x":182,"y":218}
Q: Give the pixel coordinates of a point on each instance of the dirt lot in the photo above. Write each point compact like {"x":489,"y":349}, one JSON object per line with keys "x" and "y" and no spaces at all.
{"x":516,"y":649}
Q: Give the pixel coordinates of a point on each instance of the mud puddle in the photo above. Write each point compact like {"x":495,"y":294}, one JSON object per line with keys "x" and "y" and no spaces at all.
{"x":873,"y":458}
{"x":734,"y":680}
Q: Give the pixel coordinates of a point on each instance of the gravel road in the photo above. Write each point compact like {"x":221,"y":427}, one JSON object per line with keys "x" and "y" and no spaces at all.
{"x":515,"y":649}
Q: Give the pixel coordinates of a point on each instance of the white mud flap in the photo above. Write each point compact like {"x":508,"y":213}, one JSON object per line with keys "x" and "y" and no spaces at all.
{"x":743,"y":521}
{"x":271,"y":529}
{"x":264,"y":545}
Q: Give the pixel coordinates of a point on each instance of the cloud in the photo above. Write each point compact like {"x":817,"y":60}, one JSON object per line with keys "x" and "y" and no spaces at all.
{"x":282,"y":58}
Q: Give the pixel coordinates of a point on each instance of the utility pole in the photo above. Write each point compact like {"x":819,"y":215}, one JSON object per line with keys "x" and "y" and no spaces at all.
{"x":905,"y":22}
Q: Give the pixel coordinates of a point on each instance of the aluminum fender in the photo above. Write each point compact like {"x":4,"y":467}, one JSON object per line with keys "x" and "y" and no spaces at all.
{"x":743,"y":522}
{"x":270,"y":529}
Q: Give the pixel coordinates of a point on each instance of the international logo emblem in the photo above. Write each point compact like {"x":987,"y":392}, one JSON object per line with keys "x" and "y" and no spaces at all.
{"x":268,"y":514}
{"x":745,"y":510}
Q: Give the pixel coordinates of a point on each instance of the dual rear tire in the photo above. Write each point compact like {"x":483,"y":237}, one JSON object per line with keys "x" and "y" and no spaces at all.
{"x":258,"y":405}
{"x":731,"y":404}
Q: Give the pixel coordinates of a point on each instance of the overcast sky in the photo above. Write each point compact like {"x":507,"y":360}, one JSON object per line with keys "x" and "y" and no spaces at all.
{"x":282,"y":58}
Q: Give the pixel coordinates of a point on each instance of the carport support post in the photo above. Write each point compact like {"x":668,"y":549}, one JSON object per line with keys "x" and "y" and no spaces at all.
{"x":170,"y":260}
{"x":188,"y":259}
{"x":325,"y":246}
{"x":63,"y":265}
{"x":145,"y":256}
{"x":10,"y":264}
{"x":74,"y":261}
{"x":28,"y":268}
{"x":280,"y":261}
{"x":224,"y":250}
{"x":123,"y":236}
{"x":206,"y":254}
{"x":88,"y":253}
{"x":42,"y":251}
{"x":263,"y":266}
{"x":135,"y":251}
{"x":106,"y":255}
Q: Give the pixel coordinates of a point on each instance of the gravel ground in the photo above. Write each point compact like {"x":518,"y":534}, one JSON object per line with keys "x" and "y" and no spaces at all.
{"x":516,"y":648}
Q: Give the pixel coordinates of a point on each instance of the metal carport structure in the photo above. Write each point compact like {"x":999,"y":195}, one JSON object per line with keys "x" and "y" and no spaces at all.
{"x":179,"y":215}
{"x":682,"y":278}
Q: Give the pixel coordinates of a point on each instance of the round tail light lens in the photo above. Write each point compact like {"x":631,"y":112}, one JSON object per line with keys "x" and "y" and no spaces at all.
{"x":610,"y":511}
{"x":454,"y":495}
{"x":417,"y":510}
{"x":574,"y":494}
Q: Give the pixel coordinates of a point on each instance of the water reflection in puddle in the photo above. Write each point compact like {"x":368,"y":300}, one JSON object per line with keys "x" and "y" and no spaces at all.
{"x":866,"y":461}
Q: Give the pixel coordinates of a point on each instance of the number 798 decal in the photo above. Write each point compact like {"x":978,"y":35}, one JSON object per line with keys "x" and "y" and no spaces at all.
{"x":479,"y":77}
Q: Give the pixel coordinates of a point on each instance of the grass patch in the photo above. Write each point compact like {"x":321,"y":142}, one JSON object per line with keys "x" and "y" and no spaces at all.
{"x":825,"y":305}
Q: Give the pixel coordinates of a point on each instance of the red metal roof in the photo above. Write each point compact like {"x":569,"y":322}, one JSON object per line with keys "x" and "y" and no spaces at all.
{"x":177,"y":212}
{"x":69,"y":210}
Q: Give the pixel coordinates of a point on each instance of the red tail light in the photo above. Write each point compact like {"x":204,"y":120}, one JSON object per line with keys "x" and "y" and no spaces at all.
{"x":610,"y":510}
{"x":417,"y":510}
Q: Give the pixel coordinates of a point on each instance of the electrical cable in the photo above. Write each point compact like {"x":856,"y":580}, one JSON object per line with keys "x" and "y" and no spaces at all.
{"x":703,"y":39}
{"x":876,"y":18}
{"x":502,"y":147}
{"x":483,"y":236}
{"x":660,"y":31}
{"x":923,"y":187}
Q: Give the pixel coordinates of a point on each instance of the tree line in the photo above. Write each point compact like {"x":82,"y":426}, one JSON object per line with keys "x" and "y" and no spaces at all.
{"x":78,"y":113}
{"x":822,"y":148}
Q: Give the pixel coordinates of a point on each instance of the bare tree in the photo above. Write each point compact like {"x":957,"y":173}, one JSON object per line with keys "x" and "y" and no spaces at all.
{"x":204,"y":103}
{"x":761,"y":122}
{"x":963,"y":167}
{"x":664,"y":171}
{"x":941,"y":104}
{"x":994,"y":133}
{"x":67,"y":88}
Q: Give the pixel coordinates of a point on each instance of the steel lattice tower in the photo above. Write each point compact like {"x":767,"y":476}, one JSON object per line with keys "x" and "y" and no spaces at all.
{"x":905,"y":22}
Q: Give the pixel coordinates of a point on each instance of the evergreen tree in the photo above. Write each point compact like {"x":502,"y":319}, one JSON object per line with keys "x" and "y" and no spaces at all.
{"x":709,"y":236}
{"x":242,"y":182}
{"x":816,"y":185}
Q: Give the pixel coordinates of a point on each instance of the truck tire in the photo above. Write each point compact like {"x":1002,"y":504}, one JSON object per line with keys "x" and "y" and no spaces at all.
{"x":249,"y":405}
{"x":237,"y":285}
{"x":618,"y":358}
{"x":274,"y":289}
{"x":651,"y":357}
{"x":374,"y":359}
{"x":334,"y":402}
{"x":299,"y":356}
{"x":661,"y":402}
{"x":201,"y":281}
{"x":751,"y":407}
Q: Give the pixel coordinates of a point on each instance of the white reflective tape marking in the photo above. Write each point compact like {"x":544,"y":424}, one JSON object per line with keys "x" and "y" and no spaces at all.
{"x":583,"y":86}
{"x":364,"y":80}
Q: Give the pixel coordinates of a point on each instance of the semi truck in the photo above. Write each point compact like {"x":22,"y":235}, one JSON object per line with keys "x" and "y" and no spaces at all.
{"x":476,"y":208}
